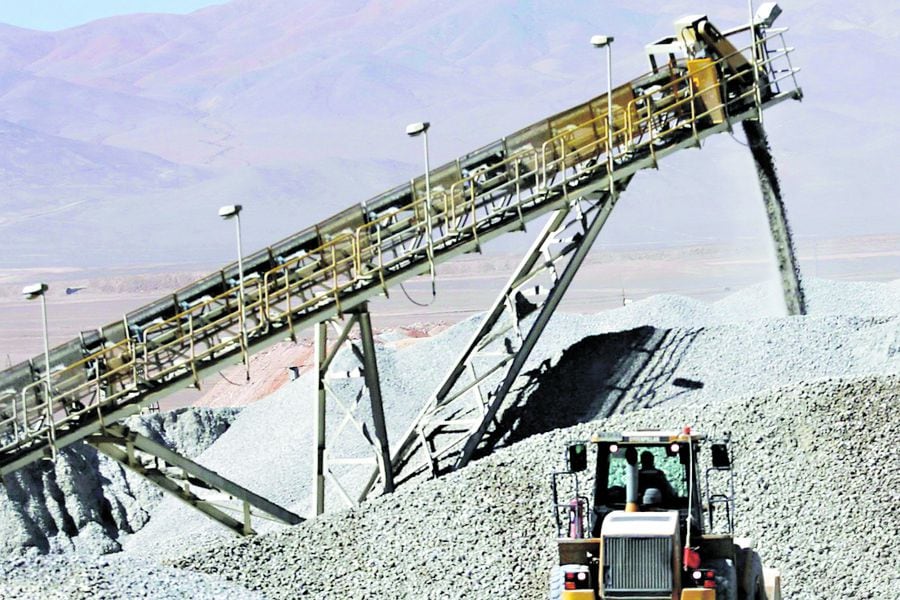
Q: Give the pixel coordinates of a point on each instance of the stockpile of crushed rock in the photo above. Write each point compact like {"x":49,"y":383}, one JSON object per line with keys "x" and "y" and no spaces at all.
{"x":86,"y":502}
{"x":685,"y":360}
{"x":88,"y":576}
{"x":661,"y":350}
{"x":818,"y":480}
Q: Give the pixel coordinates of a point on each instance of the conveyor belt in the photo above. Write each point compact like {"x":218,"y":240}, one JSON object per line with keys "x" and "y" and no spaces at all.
{"x":320,"y":272}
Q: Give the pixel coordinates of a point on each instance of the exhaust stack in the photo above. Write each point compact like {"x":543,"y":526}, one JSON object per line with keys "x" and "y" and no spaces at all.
{"x":631,"y":480}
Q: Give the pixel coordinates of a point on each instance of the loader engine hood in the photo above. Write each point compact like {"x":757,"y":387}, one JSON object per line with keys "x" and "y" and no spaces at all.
{"x":639,"y":553}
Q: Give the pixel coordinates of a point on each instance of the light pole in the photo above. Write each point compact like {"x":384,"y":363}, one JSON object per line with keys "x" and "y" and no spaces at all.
{"x":32,"y":292}
{"x":414,"y":130}
{"x":756,"y":59}
{"x":605,"y":41}
{"x":229,"y":212}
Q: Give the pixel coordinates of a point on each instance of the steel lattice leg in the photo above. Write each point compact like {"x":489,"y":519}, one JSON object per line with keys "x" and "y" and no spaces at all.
{"x":325,"y":464}
{"x":193,"y":484}
{"x":466,"y":405}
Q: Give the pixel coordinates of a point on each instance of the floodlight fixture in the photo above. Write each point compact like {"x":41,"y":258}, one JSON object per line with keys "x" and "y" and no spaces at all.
{"x":35,"y":290}
{"x":414,"y":129}
{"x":766,"y":14}
{"x":605,"y":41}
{"x":32,"y":292}
{"x":231,"y":210}
{"x":600,"y":41}
{"x":228,"y":212}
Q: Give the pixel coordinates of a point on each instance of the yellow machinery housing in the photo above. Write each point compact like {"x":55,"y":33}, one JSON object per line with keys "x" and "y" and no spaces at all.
{"x":647,"y":532}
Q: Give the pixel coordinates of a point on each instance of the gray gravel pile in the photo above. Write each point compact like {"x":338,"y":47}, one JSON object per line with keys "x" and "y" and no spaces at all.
{"x":818,"y":480}
{"x":677,"y":356}
{"x":664,"y":349}
{"x":618,"y":372}
{"x":86,"y":502}
{"x":56,"y":577}
{"x":188,"y":431}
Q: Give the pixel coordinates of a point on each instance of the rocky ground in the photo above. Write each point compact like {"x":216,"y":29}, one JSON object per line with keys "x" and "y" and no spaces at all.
{"x":56,"y":577}
{"x":808,"y":401}
{"x":818,"y":483}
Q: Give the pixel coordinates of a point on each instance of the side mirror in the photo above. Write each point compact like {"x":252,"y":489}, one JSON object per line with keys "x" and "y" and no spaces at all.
{"x":576,"y":457}
{"x":720,"y":458}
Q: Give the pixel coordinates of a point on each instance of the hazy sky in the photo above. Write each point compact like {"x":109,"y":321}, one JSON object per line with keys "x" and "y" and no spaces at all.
{"x":51,"y":15}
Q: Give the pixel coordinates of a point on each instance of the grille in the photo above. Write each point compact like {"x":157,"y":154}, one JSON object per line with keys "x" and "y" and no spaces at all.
{"x":638,"y":564}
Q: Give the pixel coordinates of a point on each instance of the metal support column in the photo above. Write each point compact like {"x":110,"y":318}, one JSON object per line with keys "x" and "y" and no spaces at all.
{"x":370,"y":372}
{"x":193,"y":484}
{"x":377,"y":449}
{"x":581,"y":249}
{"x":788,"y":266}
{"x":319,"y":457}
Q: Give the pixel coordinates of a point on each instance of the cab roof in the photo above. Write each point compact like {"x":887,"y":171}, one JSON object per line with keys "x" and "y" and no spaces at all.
{"x":654,"y":436}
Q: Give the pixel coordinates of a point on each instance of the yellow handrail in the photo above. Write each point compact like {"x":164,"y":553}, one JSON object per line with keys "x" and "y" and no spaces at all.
{"x":321,"y":275}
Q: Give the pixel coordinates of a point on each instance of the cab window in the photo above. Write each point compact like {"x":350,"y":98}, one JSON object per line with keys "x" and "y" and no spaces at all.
{"x":670,"y":466}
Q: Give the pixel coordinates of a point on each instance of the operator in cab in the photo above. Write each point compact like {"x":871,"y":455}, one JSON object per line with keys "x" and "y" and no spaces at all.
{"x":649,"y":477}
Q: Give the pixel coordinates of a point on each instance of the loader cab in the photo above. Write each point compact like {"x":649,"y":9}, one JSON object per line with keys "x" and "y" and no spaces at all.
{"x":667,"y":476}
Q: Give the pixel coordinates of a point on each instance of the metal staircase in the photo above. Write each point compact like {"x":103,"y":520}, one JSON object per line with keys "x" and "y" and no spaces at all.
{"x":565,"y":166}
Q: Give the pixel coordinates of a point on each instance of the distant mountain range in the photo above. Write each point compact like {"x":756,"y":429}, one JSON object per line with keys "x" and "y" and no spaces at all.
{"x":120,"y":138}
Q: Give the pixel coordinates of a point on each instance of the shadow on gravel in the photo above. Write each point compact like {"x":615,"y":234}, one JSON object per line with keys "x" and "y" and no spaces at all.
{"x":596,"y":377}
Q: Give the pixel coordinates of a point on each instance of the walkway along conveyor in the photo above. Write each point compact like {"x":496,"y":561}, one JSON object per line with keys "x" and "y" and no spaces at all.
{"x":572,"y":166}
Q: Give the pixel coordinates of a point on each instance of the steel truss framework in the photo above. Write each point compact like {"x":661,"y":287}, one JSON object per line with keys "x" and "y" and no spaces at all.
{"x":193,"y":484}
{"x":327,"y":465}
{"x":565,"y":166}
{"x":465,"y":406}
{"x":459,"y":414}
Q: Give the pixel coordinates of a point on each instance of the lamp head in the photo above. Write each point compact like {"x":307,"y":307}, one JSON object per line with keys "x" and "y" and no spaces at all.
{"x":599,"y":41}
{"x":232,"y":210}
{"x":35,"y":290}
{"x":766,"y":14}
{"x":414,"y":129}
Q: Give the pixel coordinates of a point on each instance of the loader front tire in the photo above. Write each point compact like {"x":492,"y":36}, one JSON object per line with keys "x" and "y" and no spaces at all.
{"x":752,"y":583}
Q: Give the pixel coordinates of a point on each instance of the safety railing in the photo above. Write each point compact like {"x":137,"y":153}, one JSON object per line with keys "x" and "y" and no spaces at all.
{"x":656,"y":118}
{"x":519,"y":185}
{"x":9,"y":426}
{"x":211,"y":325}
{"x":331,"y":265}
{"x":31,"y":416}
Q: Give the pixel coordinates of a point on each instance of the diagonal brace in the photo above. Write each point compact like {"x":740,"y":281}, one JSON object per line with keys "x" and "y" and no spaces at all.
{"x":127,"y":447}
{"x":537,"y":327}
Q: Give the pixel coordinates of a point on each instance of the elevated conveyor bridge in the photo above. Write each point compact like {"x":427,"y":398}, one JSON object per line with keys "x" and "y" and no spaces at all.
{"x":571,"y":167}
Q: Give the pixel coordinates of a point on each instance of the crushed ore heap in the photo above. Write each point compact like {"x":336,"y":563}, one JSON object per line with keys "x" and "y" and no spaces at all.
{"x":809,"y":402}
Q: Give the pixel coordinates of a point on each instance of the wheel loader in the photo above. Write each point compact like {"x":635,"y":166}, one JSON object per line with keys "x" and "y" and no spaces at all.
{"x":648,"y":527}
